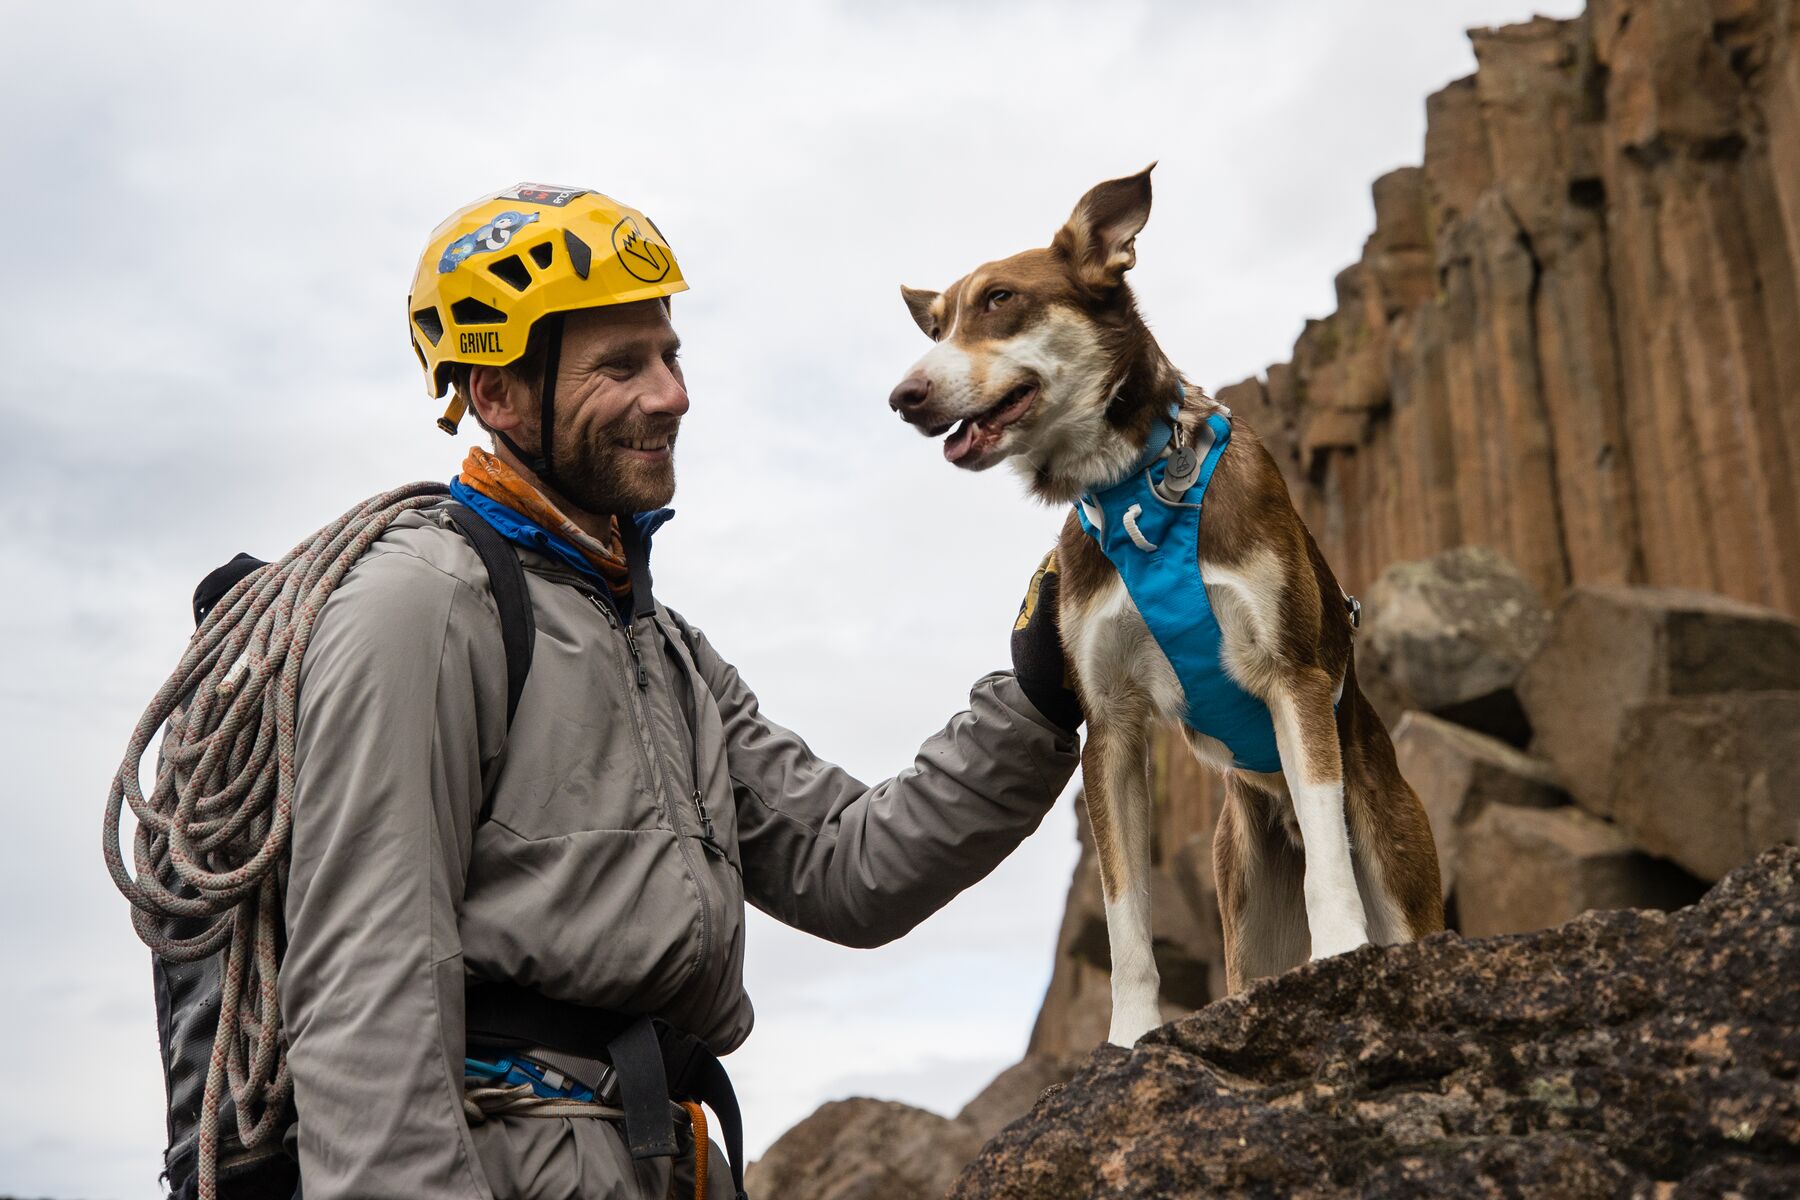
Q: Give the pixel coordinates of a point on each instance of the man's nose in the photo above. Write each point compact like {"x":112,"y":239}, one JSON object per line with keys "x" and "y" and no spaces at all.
{"x":668,"y":394}
{"x":913,"y":391}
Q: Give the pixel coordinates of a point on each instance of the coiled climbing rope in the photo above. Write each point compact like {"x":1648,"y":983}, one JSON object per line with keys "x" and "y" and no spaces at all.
{"x":210,"y":854}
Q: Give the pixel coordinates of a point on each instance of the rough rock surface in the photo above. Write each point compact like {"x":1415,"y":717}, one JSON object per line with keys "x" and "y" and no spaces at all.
{"x":1623,"y":1054}
{"x":1449,"y":635}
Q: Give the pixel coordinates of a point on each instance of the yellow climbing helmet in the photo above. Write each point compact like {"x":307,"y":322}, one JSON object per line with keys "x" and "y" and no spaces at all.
{"x":496,"y":266}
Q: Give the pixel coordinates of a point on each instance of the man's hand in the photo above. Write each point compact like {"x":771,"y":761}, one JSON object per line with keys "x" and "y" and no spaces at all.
{"x":1038,"y":662}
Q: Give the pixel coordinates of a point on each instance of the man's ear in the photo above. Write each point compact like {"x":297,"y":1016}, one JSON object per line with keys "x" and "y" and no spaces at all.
{"x":918,"y":303}
{"x":497,"y":397}
{"x":1100,"y":237}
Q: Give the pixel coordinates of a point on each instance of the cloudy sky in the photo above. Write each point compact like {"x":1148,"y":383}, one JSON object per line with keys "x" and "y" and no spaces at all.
{"x":212,"y":217}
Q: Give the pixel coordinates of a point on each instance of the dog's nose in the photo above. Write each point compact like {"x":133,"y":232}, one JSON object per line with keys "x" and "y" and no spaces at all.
{"x":913,"y":391}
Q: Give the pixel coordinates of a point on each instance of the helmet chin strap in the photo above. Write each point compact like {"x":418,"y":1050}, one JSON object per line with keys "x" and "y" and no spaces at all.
{"x":540,"y":462}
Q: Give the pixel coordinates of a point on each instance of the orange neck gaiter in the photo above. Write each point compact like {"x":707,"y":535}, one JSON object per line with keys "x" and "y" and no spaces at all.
{"x":498,"y":482}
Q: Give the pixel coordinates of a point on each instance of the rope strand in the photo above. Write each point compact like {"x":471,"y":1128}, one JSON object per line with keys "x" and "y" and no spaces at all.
{"x":211,"y":848}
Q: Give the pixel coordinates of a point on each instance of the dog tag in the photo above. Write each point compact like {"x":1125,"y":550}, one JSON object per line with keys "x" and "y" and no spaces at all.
{"x":1184,"y":467}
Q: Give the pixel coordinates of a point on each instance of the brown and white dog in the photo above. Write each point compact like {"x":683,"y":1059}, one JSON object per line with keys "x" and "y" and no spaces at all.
{"x":1042,"y":359}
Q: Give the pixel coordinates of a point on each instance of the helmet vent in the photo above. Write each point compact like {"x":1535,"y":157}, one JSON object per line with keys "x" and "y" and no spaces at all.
{"x":470,"y":311}
{"x":580,"y":255}
{"x":541,"y":254}
{"x":430,"y":324}
{"x":511,"y":270}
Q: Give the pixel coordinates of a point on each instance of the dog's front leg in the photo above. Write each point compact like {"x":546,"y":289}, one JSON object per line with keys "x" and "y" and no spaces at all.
{"x":1115,"y":774}
{"x":1306,"y":737}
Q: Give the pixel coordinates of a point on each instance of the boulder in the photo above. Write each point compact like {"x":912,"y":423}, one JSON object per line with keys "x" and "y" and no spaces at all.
{"x":1623,"y":1054}
{"x":1013,"y":1092}
{"x":863,"y":1149}
{"x":1449,"y":635}
{"x":1458,"y":773}
{"x":1530,"y":868}
{"x":1709,"y":781}
{"x":1611,"y":649}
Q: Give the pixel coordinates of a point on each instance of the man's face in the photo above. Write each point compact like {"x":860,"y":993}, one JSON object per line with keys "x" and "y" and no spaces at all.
{"x":620,"y":398}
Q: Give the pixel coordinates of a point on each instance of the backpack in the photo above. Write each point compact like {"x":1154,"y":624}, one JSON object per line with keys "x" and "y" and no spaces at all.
{"x":189,"y":989}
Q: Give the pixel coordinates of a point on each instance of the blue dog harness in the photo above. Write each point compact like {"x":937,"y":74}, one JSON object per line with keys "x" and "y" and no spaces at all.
{"x":1148,"y":525}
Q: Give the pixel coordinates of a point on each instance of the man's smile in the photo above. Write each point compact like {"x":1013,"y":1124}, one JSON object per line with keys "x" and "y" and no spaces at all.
{"x":649,"y":449}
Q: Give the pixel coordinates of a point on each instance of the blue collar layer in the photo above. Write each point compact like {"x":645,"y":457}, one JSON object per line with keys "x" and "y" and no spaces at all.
{"x":517,"y":527}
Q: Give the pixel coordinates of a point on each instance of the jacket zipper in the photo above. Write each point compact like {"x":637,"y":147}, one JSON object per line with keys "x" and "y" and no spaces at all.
{"x":647,"y":750}
{"x":643,"y":676}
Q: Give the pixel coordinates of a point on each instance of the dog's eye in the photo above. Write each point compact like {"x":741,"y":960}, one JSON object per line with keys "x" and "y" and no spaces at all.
{"x":997,"y":297}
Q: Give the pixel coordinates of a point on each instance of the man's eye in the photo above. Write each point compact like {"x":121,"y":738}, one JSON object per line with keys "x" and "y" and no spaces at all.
{"x":997,"y":297}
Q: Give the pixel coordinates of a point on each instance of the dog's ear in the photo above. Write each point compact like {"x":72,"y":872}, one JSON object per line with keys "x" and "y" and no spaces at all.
{"x":918,"y":303}
{"x":1100,"y":238}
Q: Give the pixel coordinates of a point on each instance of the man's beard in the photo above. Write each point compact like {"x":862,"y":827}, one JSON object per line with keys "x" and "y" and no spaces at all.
{"x":598,"y":475}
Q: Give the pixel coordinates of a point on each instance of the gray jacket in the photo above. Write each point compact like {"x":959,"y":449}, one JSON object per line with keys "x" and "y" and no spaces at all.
{"x":594,"y":880}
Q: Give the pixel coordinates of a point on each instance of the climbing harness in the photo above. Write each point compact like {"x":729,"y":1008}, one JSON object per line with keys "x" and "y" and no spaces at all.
{"x":520,"y":1100}
{"x":650,"y":1061}
{"x":1148,"y":525}
{"x":211,"y":849}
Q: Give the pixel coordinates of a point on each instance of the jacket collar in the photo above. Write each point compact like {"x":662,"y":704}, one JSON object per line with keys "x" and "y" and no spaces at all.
{"x":637,"y":531}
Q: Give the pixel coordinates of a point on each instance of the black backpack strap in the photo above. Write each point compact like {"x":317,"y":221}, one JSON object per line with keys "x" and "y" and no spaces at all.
{"x":506,"y":578}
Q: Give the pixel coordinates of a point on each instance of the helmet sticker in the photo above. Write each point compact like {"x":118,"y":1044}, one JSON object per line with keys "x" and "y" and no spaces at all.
{"x":543,"y":193}
{"x":489,"y":238}
{"x":638,"y":254}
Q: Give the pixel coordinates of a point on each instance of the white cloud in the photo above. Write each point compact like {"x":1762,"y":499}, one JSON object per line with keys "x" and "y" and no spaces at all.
{"x":213,"y":214}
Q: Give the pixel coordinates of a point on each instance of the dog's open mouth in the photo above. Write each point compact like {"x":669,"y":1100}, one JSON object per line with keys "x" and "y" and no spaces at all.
{"x":981,"y":431}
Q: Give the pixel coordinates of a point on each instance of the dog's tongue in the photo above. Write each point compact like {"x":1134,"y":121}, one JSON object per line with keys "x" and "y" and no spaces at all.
{"x":960,"y":442}
{"x":970,"y":436}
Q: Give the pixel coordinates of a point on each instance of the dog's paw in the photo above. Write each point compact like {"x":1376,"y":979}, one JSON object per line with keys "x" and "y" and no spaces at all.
{"x":1128,"y":1027}
{"x":1340,"y":938}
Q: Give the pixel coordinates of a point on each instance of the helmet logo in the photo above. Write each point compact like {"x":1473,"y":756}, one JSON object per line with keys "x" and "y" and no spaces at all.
{"x":481,"y":342}
{"x":490,"y":237}
{"x":543,"y":193}
{"x":643,"y":258}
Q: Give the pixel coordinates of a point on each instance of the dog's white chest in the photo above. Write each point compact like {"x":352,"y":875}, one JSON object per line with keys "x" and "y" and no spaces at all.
{"x":1120,"y":662}
{"x":1117,"y":658}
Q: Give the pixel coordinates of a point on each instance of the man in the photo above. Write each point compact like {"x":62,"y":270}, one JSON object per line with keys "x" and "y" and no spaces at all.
{"x":451,"y":873}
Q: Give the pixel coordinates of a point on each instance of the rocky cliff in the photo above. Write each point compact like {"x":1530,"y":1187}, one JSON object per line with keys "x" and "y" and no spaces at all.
{"x":1574,"y":335}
